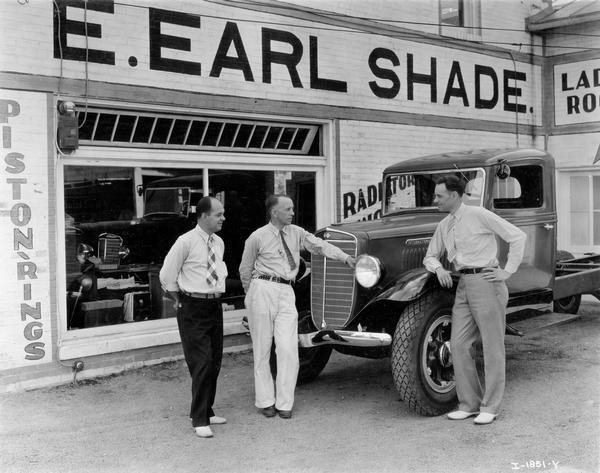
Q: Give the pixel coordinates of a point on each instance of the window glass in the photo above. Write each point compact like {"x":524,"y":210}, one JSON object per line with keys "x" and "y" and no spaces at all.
{"x":113,"y":258}
{"x":523,"y":189}
{"x":413,"y":191}
{"x":452,"y":12}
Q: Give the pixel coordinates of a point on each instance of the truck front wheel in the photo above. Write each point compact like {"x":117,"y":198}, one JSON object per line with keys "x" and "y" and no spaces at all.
{"x":312,"y":360}
{"x":421,"y":361}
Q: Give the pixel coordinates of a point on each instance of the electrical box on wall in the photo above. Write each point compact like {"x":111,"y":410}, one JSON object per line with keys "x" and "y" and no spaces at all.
{"x":67,"y":133}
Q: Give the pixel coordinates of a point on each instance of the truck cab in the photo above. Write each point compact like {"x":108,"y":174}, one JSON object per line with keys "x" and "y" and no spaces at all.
{"x":391,"y":306}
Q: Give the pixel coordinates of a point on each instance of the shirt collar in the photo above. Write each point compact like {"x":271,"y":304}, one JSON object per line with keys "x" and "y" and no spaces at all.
{"x":275,"y":230}
{"x":202,"y":233}
{"x":459,"y":211}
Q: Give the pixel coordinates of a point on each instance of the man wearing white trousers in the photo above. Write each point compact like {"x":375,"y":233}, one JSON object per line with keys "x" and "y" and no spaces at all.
{"x":468,"y":236}
{"x":268,"y":269}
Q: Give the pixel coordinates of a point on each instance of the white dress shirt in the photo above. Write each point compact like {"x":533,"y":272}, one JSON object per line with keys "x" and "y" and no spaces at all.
{"x":186,"y":264}
{"x":264,"y":253}
{"x":475,"y":231}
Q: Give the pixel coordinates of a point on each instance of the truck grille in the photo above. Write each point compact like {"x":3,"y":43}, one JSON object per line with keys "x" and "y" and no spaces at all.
{"x":332,"y":283}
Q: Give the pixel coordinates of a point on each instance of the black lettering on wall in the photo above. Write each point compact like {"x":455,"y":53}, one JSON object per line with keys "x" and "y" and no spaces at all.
{"x":583,"y":81}
{"x":94,"y":30}
{"x":349,"y":204}
{"x":317,"y":82}
{"x":460,"y":91}
{"x":386,"y":74}
{"x":416,"y":78}
{"x":565,"y":85}
{"x":289,"y":60}
{"x":158,"y":41}
{"x":513,"y":91}
{"x":231,"y":35}
{"x":480,"y":102}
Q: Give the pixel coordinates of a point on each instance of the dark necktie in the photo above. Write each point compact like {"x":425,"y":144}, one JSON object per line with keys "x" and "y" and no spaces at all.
{"x":288,"y":253}
{"x":212,"y":277}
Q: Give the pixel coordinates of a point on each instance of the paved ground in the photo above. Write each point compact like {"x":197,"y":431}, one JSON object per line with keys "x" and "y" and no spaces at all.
{"x":349,"y":420}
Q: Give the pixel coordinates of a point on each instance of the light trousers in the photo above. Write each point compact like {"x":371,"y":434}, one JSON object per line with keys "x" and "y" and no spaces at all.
{"x":273,"y":314}
{"x":479,"y":313}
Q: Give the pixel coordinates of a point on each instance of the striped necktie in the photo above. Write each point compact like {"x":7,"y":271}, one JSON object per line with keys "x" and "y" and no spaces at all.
{"x":288,"y":253}
{"x":212,"y":277}
{"x":451,"y":240}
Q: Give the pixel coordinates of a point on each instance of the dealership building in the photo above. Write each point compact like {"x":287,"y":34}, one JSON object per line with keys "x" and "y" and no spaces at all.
{"x":117,"y":116}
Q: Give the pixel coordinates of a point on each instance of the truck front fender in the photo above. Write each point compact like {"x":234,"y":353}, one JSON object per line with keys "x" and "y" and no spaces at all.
{"x":410,"y":286}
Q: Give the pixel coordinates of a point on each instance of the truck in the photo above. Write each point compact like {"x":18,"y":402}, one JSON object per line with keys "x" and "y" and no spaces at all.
{"x":391,"y":306}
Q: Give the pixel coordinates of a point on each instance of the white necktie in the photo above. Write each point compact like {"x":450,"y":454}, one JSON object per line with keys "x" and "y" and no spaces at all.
{"x":451,"y":249}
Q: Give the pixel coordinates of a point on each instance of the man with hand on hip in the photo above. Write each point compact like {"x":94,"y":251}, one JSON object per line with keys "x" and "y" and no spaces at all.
{"x":468,"y":235}
{"x":194,"y":274}
{"x":268,"y":269}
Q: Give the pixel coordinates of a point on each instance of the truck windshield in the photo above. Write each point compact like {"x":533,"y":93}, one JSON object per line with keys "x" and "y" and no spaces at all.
{"x":173,"y":200}
{"x":417,"y":190}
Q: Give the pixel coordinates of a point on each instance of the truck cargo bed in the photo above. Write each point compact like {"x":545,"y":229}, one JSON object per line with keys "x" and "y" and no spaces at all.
{"x":577,"y":276}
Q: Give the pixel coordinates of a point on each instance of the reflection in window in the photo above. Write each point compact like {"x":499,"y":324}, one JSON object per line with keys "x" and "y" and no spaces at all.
{"x":523,"y":189}
{"x":413,"y":191}
{"x":113,"y":259}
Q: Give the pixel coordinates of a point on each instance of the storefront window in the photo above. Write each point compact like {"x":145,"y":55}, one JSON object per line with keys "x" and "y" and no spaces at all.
{"x":122,"y":221}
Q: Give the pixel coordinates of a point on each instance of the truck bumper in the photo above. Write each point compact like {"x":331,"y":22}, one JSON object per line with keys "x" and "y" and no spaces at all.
{"x":344,"y":337}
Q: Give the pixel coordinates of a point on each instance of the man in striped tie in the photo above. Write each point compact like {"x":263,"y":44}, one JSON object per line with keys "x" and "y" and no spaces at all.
{"x":468,"y":236}
{"x":194,"y":273}
{"x":269,"y":267}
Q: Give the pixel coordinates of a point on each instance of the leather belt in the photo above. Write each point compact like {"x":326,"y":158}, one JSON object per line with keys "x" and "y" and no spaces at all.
{"x":274,"y":279}
{"x":472,"y":270}
{"x":201,"y":295}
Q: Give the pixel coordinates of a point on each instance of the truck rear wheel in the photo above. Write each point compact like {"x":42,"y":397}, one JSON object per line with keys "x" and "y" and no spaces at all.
{"x":421,"y":362}
{"x":566,"y":305}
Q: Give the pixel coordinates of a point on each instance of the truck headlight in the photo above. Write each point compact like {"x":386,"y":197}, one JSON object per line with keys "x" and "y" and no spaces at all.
{"x":367,"y":271}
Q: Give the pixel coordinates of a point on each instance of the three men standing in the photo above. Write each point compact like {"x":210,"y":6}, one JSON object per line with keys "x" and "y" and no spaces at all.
{"x":194,"y":274}
{"x":269,"y":267}
{"x":468,"y":235}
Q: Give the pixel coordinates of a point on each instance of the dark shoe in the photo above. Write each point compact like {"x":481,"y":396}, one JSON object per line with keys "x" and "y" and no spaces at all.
{"x":268,"y":411}
{"x":285,"y":414}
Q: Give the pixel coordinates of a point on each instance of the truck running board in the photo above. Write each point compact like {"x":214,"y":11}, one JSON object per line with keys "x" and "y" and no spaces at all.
{"x":539,"y":322}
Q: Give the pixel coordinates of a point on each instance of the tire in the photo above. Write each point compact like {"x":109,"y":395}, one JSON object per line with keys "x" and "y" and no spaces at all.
{"x":566,"y":305}
{"x":312,"y":360}
{"x":421,"y":362}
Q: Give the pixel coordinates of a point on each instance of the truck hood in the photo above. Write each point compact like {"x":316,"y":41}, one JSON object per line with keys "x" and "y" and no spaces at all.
{"x":403,"y":224}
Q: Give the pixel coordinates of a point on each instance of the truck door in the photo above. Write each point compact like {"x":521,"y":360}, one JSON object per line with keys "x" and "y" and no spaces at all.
{"x":525,"y":198}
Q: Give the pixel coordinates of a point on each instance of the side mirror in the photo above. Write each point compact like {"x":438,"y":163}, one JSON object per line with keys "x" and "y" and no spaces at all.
{"x":503,"y":171}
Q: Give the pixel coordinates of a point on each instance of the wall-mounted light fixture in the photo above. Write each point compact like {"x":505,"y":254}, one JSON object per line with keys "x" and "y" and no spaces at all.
{"x":67,"y":133}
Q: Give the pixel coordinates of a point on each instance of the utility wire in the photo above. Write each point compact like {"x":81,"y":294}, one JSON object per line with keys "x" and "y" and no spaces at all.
{"x":327,"y":14}
{"x":353,"y":30}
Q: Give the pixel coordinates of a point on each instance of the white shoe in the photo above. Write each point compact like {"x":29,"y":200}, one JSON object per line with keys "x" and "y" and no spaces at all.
{"x":484,"y":418}
{"x":215,"y":420}
{"x":203,"y":431}
{"x":460,"y":415}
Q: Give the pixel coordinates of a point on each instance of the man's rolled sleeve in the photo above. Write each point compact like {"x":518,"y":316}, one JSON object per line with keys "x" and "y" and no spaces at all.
{"x":515,"y":237}
{"x":431,"y":261}
{"x":248,"y":260}
{"x":317,"y":246}
{"x":172,"y":265}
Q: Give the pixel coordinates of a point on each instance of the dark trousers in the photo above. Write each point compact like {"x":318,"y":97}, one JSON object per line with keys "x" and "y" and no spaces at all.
{"x":200,"y":324}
